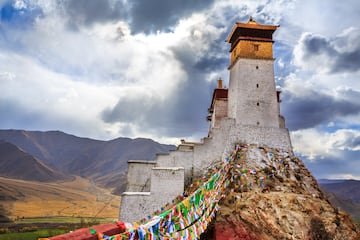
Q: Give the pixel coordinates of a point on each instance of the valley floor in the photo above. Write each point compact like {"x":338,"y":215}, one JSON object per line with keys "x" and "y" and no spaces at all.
{"x":79,"y":198}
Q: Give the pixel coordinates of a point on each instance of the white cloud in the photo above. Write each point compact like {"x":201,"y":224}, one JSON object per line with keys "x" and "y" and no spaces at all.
{"x":54,"y":96}
{"x":307,"y":59}
{"x":344,"y":176}
{"x":327,"y":18}
{"x":82,"y":73}
{"x":298,"y":85}
{"x":19,"y":4}
{"x":311,"y":143}
{"x":315,"y":144}
{"x":337,"y":54}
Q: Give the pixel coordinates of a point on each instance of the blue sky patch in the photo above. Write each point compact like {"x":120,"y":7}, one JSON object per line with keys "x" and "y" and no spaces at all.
{"x":18,"y":17}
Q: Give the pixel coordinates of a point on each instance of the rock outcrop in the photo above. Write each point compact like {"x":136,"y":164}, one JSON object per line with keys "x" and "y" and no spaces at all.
{"x":274,"y":196}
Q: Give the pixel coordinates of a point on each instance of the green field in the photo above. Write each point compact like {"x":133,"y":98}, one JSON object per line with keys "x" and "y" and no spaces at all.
{"x":75,"y":220}
{"x":41,"y":233}
{"x":34,"y":228}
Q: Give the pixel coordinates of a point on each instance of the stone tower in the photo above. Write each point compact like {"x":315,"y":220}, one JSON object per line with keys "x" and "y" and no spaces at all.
{"x":252,"y":97}
{"x":247,"y":112}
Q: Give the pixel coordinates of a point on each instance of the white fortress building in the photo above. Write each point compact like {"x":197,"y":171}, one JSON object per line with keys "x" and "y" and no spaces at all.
{"x":247,"y":112}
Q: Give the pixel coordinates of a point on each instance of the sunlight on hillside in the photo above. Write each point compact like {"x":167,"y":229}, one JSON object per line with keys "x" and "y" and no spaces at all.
{"x":78,"y":198}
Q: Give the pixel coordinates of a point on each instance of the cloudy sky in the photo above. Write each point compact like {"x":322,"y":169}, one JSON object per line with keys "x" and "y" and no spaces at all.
{"x":110,"y":68}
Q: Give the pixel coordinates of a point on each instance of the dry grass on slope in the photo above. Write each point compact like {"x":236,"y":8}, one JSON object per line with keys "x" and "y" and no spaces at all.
{"x":76,"y":198}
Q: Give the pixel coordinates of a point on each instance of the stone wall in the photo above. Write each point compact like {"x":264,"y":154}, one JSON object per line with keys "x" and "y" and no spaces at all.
{"x":172,"y":171}
{"x":133,"y":206}
{"x":167,"y":183}
{"x":252,"y":98}
{"x":220,"y":111}
{"x":229,"y":133}
{"x":169,"y":180}
{"x":138,"y":176}
{"x":272,"y":137}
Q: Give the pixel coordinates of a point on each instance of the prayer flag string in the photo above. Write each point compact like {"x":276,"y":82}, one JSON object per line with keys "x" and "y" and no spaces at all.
{"x":190,"y":216}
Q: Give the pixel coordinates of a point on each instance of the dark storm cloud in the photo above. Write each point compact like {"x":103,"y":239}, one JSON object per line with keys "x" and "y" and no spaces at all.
{"x":142,"y":15}
{"x":209,"y":63}
{"x":215,"y":59}
{"x":351,"y":141}
{"x":132,"y":109}
{"x":87,"y":12}
{"x":184,"y":113}
{"x":347,"y":162}
{"x":151,"y":16}
{"x":314,"y":45}
{"x":349,"y":61}
{"x":320,"y":167}
{"x":13,"y":114}
{"x":317,"y":108}
{"x":344,"y":60}
{"x":181,"y":115}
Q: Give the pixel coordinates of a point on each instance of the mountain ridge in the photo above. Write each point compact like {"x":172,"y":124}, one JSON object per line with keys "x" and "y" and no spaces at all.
{"x":344,"y":194}
{"x":346,"y":188}
{"x":105,"y":162}
{"x":16,"y":163}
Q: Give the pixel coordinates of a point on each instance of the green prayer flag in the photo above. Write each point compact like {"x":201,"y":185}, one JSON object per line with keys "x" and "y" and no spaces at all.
{"x":177,"y":227}
{"x":165,"y":213}
{"x":197,"y":199}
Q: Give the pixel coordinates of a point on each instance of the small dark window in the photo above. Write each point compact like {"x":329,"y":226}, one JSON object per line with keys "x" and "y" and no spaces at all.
{"x":257,"y":85}
{"x":256,"y":47}
{"x":258,"y":123}
{"x":257,"y":67}
{"x":257,"y":104}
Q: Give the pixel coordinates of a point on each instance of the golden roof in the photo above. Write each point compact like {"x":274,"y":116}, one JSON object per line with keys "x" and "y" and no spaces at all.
{"x":251,"y":24}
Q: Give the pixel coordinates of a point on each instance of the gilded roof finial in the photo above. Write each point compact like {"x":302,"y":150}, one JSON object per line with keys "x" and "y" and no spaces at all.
{"x":252,"y":21}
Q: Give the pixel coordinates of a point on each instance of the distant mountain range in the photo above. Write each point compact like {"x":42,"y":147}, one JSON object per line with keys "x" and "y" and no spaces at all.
{"x":345,"y":194}
{"x":57,"y":156}
{"x":345,"y":188}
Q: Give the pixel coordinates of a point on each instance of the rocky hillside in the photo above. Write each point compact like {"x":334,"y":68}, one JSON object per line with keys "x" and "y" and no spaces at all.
{"x":273,"y":196}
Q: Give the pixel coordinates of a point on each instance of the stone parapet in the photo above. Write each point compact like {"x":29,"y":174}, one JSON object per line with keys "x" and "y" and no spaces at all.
{"x":134,"y":205}
{"x":167,"y":183}
{"x":138,"y":176}
{"x":272,"y":137}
